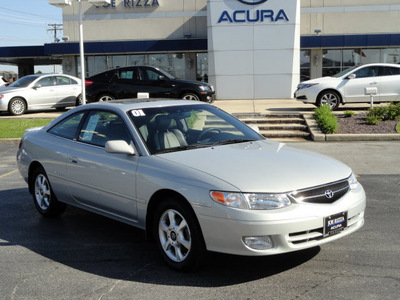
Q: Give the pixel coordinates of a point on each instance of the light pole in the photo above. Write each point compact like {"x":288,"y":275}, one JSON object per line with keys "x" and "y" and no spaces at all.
{"x":64,"y":3}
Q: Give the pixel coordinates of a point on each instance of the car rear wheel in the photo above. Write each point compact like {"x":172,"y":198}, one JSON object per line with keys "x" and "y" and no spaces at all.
{"x":178,"y":235}
{"x":78,"y":101}
{"x":43,"y":196}
{"x":17,"y":106}
{"x":105,"y":97}
{"x":330,"y":98}
{"x":191,"y":96}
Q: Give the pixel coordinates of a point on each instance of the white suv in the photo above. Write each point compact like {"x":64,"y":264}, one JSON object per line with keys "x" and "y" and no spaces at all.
{"x":349,"y":86}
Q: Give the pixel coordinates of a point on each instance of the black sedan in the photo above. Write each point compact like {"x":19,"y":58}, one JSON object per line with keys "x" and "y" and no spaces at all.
{"x":144,"y":81}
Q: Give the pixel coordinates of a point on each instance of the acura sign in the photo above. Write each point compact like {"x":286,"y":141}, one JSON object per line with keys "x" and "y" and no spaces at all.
{"x":252,"y":2}
{"x":253,"y":48}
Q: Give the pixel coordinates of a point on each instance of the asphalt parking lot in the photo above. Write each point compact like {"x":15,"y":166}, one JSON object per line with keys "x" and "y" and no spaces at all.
{"x":84,"y":256}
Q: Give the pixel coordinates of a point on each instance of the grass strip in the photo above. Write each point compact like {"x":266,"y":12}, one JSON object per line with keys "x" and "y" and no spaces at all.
{"x":15,"y":128}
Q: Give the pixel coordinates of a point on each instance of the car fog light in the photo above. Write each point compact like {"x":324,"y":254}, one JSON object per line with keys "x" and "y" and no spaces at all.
{"x":258,"y":242}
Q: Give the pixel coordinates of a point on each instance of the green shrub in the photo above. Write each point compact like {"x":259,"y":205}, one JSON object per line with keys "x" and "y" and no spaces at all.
{"x":372,"y":120}
{"x":326,"y":120}
{"x":383,"y":113}
{"x":398,"y":128}
{"x":349,"y":113}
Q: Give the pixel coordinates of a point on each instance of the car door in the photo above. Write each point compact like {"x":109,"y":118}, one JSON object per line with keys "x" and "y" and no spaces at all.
{"x":389,"y":85}
{"x":355,"y":88}
{"x":102,"y":181}
{"x":67,"y":89}
{"x":152,"y":83}
{"x":125,"y":83}
{"x":43,"y":93}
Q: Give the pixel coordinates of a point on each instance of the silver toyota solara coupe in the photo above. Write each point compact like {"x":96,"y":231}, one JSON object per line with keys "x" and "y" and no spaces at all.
{"x":191,"y":175}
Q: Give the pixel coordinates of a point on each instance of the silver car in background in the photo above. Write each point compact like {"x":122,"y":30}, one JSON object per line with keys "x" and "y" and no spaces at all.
{"x":191,"y":175}
{"x":40,"y":91}
{"x":349,"y":86}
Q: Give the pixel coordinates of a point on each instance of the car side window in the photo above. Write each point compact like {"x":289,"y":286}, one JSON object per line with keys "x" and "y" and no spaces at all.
{"x":62,"y":80}
{"x":127,"y":75}
{"x":47,"y":81}
{"x":68,"y":127}
{"x":103,"y":126}
{"x":389,"y":71}
{"x":148,"y":74}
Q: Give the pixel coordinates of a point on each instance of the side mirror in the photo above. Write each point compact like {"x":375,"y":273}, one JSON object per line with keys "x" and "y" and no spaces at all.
{"x":255,"y":128}
{"x":37,"y":86}
{"x":119,"y":147}
{"x":352,"y":76}
{"x":161,"y":77}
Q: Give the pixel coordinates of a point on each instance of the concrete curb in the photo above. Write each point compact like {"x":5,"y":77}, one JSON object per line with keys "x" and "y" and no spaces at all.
{"x":9,"y":141}
{"x":318,"y":136}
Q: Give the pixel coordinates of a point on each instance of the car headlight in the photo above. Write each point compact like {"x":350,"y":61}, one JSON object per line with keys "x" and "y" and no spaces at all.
{"x":353,"y":182}
{"x":205,"y":88}
{"x":306,"y":85}
{"x":251,"y":201}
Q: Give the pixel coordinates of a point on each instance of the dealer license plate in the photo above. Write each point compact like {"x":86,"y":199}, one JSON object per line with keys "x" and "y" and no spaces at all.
{"x":335,"y":224}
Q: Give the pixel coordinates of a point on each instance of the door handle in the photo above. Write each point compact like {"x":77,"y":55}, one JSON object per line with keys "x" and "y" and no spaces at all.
{"x":372,"y":83}
{"x":73,"y":159}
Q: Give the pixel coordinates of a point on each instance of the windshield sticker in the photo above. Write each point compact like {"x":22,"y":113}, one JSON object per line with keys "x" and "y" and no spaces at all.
{"x":90,"y":128}
{"x":138,"y":113}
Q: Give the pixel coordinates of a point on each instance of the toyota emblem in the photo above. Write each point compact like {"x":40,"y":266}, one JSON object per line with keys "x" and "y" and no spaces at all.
{"x":329,"y":194}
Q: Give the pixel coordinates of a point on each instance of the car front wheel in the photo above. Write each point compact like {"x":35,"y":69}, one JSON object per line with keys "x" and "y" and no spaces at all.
{"x":190,"y":96}
{"x":330,"y":98}
{"x":105,"y":97}
{"x":178,"y":235}
{"x":43,"y":196}
{"x":17,"y":106}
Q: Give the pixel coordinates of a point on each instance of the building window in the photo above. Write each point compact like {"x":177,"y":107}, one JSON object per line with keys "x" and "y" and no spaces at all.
{"x":391,"y":56}
{"x":202,"y":67}
{"x":305,"y":65}
{"x":332,"y":62}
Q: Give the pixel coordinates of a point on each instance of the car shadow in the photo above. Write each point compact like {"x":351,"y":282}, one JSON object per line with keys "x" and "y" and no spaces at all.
{"x":97,"y":245}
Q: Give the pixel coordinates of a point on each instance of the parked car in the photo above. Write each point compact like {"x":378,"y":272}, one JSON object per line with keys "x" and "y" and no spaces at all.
{"x":128,"y":82}
{"x":191,"y":175}
{"x":39,"y":91}
{"x":349,"y":86}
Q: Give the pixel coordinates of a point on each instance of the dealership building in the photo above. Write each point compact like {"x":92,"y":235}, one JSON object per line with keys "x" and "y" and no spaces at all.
{"x":248,"y":49}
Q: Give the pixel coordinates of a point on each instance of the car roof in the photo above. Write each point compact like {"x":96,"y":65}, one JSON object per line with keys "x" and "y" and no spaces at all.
{"x":134,"y":103}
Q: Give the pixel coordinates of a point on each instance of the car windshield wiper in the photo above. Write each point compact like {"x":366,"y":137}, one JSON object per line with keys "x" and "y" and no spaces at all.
{"x":181,"y":148}
{"x":233,"y":141}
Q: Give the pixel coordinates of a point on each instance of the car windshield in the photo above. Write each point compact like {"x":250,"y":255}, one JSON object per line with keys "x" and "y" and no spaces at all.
{"x":23,"y":82}
{"x":344,"y":72}
{"x":177,"y":128}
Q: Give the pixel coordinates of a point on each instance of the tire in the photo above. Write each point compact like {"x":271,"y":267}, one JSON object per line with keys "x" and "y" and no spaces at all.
{"x":330,"y":98}
{"x":190,"y":96}
{"x":178,"y":235}
{"x":105,"y":97}
{"x":43,"y":196}
{"x":17,"y":106}
{"x":78,"y":101}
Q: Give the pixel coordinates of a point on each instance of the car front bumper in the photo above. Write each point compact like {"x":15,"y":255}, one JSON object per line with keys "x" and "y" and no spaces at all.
{"x":301,"y":227}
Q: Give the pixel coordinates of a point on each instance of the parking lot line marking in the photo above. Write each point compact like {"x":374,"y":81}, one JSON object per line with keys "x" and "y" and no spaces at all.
{"x":9,"y":173}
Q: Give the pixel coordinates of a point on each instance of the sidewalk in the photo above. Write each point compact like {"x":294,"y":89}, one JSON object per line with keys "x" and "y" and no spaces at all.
{"x":280,"y":106}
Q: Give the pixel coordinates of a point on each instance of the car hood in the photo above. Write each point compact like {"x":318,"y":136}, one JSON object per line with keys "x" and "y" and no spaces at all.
{"x":262,"y":166}
{"x":320,"y":80}
{"x":199,"y":83}
{"x":7,"y":90}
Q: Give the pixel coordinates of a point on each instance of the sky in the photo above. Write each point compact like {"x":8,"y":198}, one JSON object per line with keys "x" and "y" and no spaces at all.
{"x":25,"y":23}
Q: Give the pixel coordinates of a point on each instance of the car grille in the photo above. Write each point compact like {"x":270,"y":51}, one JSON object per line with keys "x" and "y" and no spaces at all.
{"x":323,"y":194}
